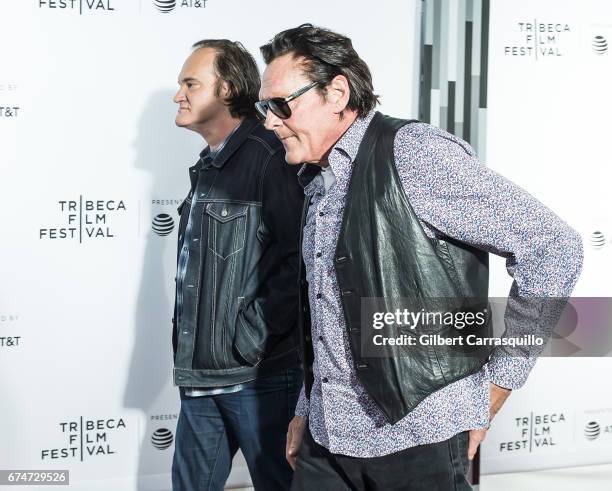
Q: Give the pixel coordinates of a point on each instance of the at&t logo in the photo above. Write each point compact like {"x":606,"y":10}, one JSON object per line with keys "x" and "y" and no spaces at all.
{"x":600,"y":45}
{"x":163,"y":224}
{"x":9,"y":111}
{"x":167,"y":6}
{"x":162,"y":438}
{"x":597,"y":240}
{"x":592,"y":430}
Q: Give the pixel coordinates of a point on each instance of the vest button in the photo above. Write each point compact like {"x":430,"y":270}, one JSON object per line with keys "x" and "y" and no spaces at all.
{"x":346,"y":293}
{"x":341,"y":259}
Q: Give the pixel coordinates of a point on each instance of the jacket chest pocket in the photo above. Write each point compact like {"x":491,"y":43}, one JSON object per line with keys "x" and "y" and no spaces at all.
{"x":226,"y":228}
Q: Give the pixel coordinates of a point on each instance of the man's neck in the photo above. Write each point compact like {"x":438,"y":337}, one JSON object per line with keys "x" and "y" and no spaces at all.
{"x":216,"y":132}
{"x":344,"y":124}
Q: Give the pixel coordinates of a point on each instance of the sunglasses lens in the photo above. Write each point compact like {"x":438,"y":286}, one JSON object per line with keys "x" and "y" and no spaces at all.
{"x":279,"y":107}
{"x":262,"y":109}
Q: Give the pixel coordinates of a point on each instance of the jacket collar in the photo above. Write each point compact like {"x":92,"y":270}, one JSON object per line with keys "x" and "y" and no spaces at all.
{"x":229,"y":148}
{"x":235,"y":141}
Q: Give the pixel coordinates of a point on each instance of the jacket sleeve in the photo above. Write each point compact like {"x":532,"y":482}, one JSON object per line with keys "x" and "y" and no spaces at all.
{"x":454,"y":195}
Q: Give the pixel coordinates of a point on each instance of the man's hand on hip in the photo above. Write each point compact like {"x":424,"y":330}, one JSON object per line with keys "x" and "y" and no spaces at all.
{"x":295,"y":433}
{"x":497,"y":396}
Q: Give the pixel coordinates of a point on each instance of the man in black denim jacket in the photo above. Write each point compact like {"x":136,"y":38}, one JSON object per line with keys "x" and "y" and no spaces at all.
{"x":234,"y":328}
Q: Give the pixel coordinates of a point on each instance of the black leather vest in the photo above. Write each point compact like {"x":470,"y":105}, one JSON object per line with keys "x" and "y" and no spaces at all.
{"x":383,"y":252}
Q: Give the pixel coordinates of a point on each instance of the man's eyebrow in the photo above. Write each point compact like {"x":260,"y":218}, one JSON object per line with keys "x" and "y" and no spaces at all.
{"x":188,"y":79}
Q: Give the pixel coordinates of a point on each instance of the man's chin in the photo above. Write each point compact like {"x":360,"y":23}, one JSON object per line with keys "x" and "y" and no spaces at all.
{"x":292,"y":160}
{"x":182,"y":123}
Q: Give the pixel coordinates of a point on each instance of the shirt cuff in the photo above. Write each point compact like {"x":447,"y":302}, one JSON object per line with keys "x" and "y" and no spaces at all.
{"x":303,"y":404}
{"x":509,"y":372}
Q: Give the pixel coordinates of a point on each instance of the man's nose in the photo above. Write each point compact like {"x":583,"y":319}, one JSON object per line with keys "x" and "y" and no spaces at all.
{"x":272,"y":121}
{"x":179,"y":96}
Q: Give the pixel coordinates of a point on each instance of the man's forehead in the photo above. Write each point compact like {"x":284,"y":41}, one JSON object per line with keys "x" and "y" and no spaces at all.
{"x":198,"y":62}
{"x":281,"y":75}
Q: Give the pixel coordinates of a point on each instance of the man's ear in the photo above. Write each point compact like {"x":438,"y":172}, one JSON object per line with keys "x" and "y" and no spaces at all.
{"x":338,"y":93}
{"x":223,"y":89}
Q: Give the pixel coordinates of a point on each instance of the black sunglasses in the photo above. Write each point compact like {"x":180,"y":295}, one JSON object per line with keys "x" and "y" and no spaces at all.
{"x":279,"y":105}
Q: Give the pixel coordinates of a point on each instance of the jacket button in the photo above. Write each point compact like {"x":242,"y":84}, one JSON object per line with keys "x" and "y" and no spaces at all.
{"x":224,"y":212}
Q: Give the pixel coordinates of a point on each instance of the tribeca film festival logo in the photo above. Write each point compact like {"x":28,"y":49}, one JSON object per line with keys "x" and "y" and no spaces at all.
{"x":80,"y":6}
{"x":538,"y":40}
{"x":163,"y":223}
{"x":84,"y":219}
{"x":167,"y":6}
{"x":84,"y":438}
{"x":534,"y":431}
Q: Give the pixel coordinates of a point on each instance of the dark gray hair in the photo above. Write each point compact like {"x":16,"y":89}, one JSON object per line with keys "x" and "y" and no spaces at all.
{"x":235,"y":66}
{"x":326,"y":54}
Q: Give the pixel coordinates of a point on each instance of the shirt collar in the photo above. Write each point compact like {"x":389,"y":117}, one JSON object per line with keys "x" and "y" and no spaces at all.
{"x":348,"y":143}
{"x":351,"y":140}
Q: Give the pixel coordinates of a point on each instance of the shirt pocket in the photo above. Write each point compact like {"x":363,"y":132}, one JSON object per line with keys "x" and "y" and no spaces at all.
{"x":226,"y":228}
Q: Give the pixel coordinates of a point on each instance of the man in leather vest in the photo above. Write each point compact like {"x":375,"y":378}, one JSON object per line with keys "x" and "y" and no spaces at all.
{"x":235,"y":336}
{"x":395,"y":209}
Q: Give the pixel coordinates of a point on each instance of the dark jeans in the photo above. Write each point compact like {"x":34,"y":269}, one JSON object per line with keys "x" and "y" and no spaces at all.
{"x":210,"y":430}
{"x":439,"y":466}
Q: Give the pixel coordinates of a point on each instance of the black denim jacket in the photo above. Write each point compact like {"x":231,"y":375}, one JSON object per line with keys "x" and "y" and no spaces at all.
{"x":239,"y":312}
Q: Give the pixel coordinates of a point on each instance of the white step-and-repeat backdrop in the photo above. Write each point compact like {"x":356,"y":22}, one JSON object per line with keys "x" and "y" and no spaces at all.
{"x":92,"y":170}
{"x":549,"y":107}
